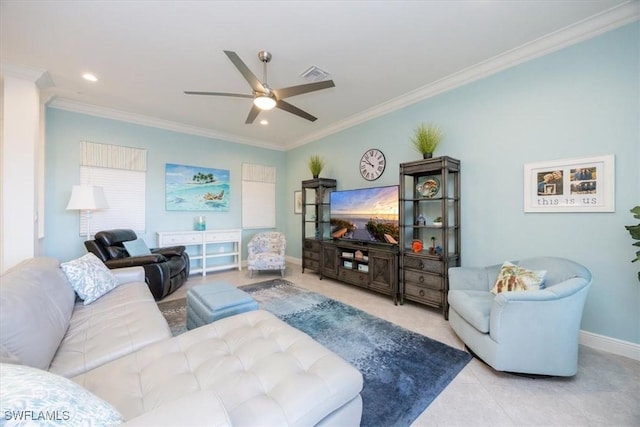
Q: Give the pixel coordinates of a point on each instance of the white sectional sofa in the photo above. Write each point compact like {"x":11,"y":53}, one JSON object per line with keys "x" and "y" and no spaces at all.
{"x":248,"y":369}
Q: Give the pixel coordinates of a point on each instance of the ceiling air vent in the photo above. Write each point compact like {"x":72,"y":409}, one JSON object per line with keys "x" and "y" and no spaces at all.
{"x":314,"y":74}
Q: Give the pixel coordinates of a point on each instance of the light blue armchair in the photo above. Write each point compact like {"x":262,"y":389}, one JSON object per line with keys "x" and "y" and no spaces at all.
{"x":266,"y":251}
{"x":532,"y":331}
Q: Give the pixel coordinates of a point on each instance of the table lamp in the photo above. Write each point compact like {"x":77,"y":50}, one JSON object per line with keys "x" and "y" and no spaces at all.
{"x":87,"y":198}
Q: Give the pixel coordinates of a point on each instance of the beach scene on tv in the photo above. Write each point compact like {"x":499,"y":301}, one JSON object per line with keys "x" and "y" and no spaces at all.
{"x":365,"y":214}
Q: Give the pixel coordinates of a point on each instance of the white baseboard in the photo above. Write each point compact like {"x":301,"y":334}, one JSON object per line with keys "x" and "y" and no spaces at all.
{"x":611,"y":345}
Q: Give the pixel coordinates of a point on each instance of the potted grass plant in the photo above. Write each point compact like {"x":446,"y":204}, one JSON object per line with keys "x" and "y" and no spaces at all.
{"x":426,"y":139}
{"x":634,"y":230}
{"x":316,"y":164}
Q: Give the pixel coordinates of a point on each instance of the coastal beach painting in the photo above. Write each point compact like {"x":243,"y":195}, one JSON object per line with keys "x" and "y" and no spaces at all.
{"x":195,"y":188}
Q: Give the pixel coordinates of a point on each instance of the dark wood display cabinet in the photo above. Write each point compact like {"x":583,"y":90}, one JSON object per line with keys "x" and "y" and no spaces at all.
{"x":429,"y":222}
{"x":368,"y":265}
{"x":315,"y":220}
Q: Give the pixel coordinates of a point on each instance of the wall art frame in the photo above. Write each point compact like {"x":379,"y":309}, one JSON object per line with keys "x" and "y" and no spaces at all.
{"x":196,"y":188}
{"x":570,"y":185}
{"x":297,"y":202}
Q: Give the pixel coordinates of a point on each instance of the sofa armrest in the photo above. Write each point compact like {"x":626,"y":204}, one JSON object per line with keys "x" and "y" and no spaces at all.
{"x":169,"y":251}
{"x":469,"y":279}
{"x":546,"y":316}
{"x":134,"y":261}
{"x":128,"y":274}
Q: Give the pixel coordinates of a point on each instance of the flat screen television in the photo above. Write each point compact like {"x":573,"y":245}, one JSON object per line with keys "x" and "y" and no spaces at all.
{"x":365,"y":214}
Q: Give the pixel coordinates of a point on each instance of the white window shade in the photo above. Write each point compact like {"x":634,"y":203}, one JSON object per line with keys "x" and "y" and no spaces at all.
{"x":125,"y":193}
{"x":258,"y":196}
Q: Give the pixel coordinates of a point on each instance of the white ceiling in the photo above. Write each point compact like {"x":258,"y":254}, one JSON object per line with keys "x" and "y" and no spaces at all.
{"x":382,"y":55}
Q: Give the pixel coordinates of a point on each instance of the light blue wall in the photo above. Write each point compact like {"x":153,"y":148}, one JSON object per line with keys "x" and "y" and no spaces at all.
{"x":578,"y":102}
{"x":65,"y":130}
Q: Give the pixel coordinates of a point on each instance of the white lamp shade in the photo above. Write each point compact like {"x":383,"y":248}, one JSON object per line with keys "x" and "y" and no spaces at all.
{"x":87,"y":197}
{"x":264,"y":102}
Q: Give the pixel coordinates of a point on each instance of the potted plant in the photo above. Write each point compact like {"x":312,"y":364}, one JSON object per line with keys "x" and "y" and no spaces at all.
{"x":426,"y":138}
{"x":316,"y":164}
{"x":438,"y":222}
{"x":634,"y":230}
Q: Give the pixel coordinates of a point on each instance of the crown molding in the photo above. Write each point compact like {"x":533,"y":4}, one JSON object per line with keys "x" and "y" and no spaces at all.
{"x":139,"y":119}
{"x":593,"y":26}
{"x":39,"y":76}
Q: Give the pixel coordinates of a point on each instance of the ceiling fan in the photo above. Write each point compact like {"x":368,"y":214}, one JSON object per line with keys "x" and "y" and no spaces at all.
{"x":265,"y":98}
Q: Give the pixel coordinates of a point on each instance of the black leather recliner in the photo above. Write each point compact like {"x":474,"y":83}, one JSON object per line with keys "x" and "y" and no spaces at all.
{"x":165,"y":270}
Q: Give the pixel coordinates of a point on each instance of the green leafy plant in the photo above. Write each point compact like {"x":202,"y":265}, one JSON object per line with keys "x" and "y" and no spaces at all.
{"x":316,"y":164}
{"x":634,"y":230}
{"x":426,"y":139}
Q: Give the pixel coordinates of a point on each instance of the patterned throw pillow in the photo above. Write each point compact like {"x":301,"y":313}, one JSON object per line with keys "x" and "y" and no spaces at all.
{"x":89,"y":277}
{"x":514,"y":278}
{"x":30,"y":396}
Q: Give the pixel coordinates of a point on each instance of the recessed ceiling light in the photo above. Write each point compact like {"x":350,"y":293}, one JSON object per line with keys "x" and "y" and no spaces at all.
{"x":264,"y":122}
{"x":89,"y":77}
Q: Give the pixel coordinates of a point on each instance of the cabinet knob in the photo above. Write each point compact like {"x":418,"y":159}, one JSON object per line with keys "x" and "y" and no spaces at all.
{"x":421,"y":293}
{"x":421,"y":280}
{"x":421,"y":265}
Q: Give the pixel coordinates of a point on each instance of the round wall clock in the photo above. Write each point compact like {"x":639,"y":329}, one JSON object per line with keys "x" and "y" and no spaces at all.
{"x":372,"y":164}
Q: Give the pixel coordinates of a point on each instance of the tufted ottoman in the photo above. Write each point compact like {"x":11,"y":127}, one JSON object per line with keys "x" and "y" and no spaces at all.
{"x":252,"y":369}
{"x":210,"y":302}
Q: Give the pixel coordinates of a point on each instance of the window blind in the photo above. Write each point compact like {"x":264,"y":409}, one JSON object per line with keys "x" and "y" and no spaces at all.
{"x":121,"y":171}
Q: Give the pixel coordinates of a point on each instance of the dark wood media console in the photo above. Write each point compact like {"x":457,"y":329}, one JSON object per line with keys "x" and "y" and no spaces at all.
{"x":365,"y":264}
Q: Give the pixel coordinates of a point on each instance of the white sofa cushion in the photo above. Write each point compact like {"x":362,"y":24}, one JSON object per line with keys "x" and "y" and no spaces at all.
{"x":36,"y":302}
{"x":120,"y":322}
{"x":263,"y":371}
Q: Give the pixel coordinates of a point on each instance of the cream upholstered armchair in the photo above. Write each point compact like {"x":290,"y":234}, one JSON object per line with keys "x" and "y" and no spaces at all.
{"x":531,"y":331}
{"x":266,"y":252}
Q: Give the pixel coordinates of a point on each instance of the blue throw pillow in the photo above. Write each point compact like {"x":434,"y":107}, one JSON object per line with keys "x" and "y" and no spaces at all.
{"x":89,"y":277}
{"x":136,"y":247}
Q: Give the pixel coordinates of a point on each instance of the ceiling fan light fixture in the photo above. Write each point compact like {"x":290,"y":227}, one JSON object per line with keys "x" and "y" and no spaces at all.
{"x":264,"y":102}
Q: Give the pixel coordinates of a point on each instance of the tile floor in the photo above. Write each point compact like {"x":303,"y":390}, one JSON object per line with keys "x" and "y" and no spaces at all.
{"x":605,"y":392}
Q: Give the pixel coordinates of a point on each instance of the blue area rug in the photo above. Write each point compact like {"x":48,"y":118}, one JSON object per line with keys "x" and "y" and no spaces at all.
{"x":403,"y":371}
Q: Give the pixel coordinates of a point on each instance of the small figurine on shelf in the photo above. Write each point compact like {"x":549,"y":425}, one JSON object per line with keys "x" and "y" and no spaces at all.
{"x":432,"y":249}
{"x":439,"y":250}
{"x":416,"y":246}
{"x":421,"y":220}
{"x":437,"y":222}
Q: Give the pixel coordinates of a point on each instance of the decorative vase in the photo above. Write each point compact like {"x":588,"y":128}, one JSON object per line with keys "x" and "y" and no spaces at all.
{"x":200,"y":223}
{"x":427,"y":155}
{"x":416,"y":246}
{"x":315,"y":176}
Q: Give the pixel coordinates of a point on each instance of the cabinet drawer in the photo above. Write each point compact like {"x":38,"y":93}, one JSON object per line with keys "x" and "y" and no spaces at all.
{"x":312,"y":264}
{"x":312,"y":255}
{"x":229,"y":236}
{"x":424,"y":264}
{"x":180,"y":239}
{"x":428,"y":296}
{"x":425,"y":280}
{"x":355,"y":277}
{"x":312,"y":245}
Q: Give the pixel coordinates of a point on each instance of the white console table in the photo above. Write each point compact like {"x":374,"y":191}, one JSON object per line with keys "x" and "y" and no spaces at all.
{"x":212,"y":244}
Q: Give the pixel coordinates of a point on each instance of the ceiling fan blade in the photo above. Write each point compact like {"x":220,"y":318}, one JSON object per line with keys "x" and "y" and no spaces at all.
{"x":255,"y":84}
{"x":294,"y":110}
{"x":237,"y":95}
{"x":300,"y":89}
{"x":253,"y":113}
